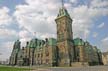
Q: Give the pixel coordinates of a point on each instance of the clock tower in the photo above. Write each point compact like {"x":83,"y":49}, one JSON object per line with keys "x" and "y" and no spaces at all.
{"x":64,"y":37}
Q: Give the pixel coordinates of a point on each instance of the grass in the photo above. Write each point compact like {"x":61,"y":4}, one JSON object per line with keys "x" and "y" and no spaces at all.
{"x":6,"y":68}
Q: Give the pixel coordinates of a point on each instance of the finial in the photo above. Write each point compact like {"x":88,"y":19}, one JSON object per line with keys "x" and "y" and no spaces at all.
{"x":62,"y":3}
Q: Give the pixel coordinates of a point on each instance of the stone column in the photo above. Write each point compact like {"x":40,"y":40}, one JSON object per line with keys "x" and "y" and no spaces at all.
{"x":82,"y":56}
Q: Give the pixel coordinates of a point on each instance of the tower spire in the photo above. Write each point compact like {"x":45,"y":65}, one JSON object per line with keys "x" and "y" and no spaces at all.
{"x":63,"y":11}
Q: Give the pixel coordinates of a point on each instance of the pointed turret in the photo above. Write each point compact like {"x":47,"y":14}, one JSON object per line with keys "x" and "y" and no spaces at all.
{"x":63,"y":11}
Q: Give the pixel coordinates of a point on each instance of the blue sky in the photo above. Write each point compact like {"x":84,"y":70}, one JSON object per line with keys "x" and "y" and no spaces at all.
{"x":19,"y":19}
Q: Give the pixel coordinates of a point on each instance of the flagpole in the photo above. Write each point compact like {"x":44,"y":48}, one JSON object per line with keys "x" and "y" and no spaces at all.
{"x":62,"y":3}
{"x":34,"y":35}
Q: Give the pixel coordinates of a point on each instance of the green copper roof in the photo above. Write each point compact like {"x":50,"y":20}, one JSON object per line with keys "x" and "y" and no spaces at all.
{"x":36,"y":43}
{"x":95,"y":49}
{"x":52,"y":42}
{"x":39,"y":43}
{"x":78,"y":42}
{"x":17,"y":44}
{"x":87,"y":43}
{"x":32,"y":43}
{"x":63,"y":12}
{"x":89,"y":49}
{"x":99,"y":51}
{"x":27,"y":45}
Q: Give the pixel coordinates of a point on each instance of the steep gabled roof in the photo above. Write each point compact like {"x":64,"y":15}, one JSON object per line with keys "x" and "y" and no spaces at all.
{"x":32,"y":43}
{"x":63,"y":12}
{"x":78,"y":42}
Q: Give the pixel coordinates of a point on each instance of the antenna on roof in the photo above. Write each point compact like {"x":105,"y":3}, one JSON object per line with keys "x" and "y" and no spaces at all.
{"x":18,"y":38}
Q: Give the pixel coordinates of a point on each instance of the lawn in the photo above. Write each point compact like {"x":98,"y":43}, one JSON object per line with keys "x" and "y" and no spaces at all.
{"x":5,"y":68}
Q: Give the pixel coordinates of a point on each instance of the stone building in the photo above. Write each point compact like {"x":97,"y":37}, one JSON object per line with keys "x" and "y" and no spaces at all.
{"x":14,"y":54}
{"x":105,"y":58}
{"x":93,"y":55}
{"x":63,"y":51}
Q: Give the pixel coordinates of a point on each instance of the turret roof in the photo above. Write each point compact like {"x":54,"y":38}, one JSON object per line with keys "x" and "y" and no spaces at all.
{"x":63,"y":12}
{"x":78,"y":42}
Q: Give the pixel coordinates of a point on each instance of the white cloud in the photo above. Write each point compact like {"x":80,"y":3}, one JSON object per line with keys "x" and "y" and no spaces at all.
{"x":81,"y":21}
{"x":24,"y":36}
{"x":73,"y":1}
{"x":99,"y":3}
{"x":95,"y":34}
{"x":5,"y":18}
{"x":105,"y":39}
{"x":7,"y":34}
{"x":104,"y":44}
{"x":5,"y":49}
{"x":83,"y":17}
{"x":7,"y":37}
{"x":100,"y":7}
{"x":101,"y":25}
{"x":46,"y":35}
{"x":0,"y":53}
{"x":41,"y":20}
{"x":37,"y":16}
